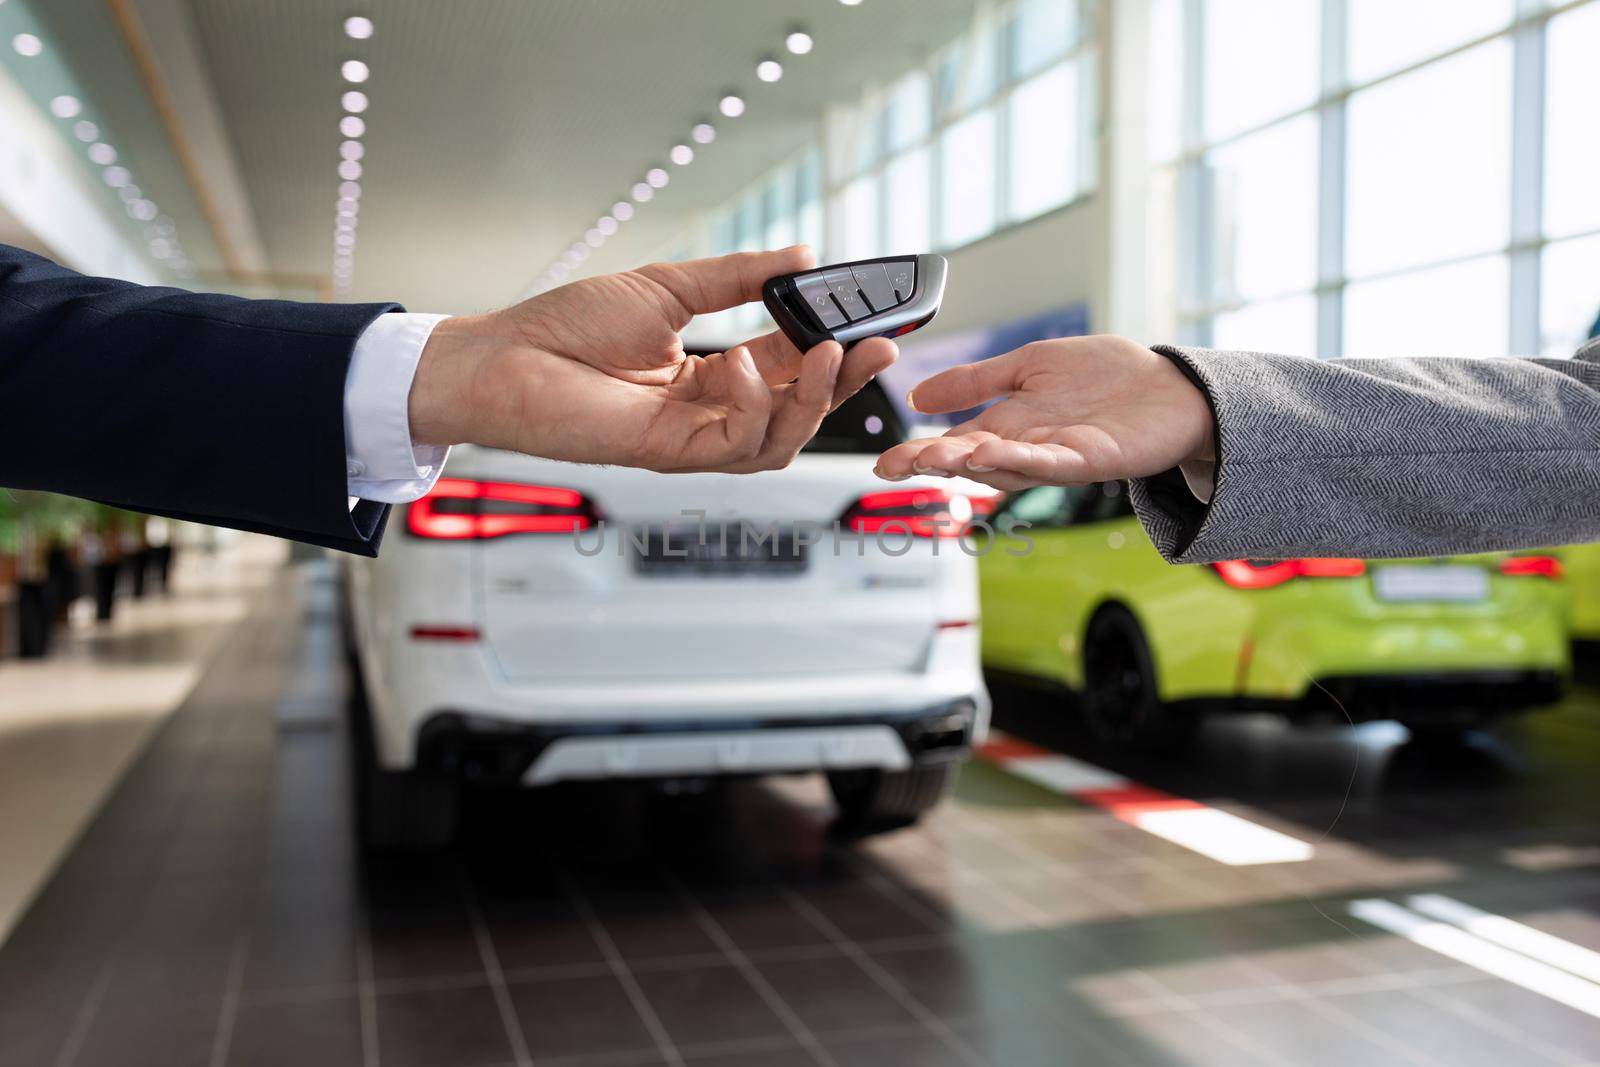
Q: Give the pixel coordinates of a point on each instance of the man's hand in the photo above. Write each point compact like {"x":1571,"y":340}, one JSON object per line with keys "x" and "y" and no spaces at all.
{"x":595,"y":372}
{"x":1078,"y":410}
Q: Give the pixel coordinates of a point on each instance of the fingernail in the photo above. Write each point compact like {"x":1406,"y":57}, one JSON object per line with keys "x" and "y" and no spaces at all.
{"x":978,"y":468}
{"x":930,"y":470}
{"x":911,"y":401}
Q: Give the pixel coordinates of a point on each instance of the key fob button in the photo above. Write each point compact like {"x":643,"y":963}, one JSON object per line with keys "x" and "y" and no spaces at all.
{"x":873,"y":280}
{"x":842,"y":284}
{"x":814,"y":291}
{"x":903,"y":276}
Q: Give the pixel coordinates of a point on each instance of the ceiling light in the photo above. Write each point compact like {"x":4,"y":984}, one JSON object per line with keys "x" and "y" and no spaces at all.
{"x":731,"y":106}
{"x":572,"y":258}
{"x":344,"y":240}
{"x":143,"y":210}
{"x":607,"y":225}
{"x":352,"y":150}
{"x":160,"y":248}
{"x":348,"y":206}
{"x":27,"y":44}
{"x":799,"y":42}
{"x":350,"y":190}
{"x":358,"y":27}
{"x":354,"y":71}
{"x":642,"y":193}
{"x":355,"y":101}
{"x":622,"y":210}
{"x":352,"y":126}
{"x":164,"y":226}
{"x":657,"y":178}
{"x":769,"y":70}
{"x":116,"y":177}
{"x":849,"y":3}
{"x":345,"y":224}
{"x":559,"y":271}
{"x":594,"y":238}
{"x":349,"y":170}
{"x":102,"y":154}
{"x":86,"y":131}
{"x":66,"y":107}
{"x":704,"y":133}
{"x":682,"y":155}
{"x":130,"y":193}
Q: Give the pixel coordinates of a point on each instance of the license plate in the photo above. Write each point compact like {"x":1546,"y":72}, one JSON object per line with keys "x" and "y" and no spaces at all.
{"x":1455,"y":584}
{"x":734,"y":548}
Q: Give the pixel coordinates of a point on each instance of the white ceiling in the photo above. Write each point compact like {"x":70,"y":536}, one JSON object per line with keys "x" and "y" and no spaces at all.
{"x":500,"y":129}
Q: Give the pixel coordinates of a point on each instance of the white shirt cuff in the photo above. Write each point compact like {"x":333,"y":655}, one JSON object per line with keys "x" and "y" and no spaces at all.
{"x":381,"y":463}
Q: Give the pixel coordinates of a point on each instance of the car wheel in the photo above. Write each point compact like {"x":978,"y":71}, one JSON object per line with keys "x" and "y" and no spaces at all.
{"x":873,"y":801}
{"x":1121,"y":700}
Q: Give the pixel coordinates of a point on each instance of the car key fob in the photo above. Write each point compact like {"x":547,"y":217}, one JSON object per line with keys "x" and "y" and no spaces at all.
{"x":846,"y":302}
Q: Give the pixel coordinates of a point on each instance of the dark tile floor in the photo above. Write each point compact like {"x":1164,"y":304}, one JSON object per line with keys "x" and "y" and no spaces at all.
{"x":216,"y":912}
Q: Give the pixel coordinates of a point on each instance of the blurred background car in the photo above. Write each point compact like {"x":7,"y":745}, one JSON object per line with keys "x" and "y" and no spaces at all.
{"x":540,"y":622}
{"x":1439,"y":645}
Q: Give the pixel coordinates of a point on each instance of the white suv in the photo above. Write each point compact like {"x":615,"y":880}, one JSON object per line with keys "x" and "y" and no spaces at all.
{"x":532,"y":622}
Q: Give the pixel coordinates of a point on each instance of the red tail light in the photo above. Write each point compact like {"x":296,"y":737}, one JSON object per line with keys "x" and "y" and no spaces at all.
{"x":460,"y":509}
{"x":1532,"y":567}
{"x":919,"y":512}
{"x":1264,"y":574}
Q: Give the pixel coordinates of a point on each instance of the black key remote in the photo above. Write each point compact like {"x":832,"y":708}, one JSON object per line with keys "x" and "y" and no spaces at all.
{"x":846,"y":302}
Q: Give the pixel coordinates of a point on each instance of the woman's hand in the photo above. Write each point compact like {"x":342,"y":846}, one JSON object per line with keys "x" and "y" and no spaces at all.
{"x":1077,"y":410}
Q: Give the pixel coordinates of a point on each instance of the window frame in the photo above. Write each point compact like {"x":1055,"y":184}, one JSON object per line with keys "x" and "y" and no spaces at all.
{"x":1524,"y":250}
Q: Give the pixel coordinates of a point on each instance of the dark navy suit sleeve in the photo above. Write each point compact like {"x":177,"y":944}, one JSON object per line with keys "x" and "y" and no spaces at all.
{"x":197,"y":406}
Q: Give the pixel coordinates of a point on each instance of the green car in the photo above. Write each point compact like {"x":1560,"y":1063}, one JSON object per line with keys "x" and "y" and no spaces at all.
{"x":1582,"y":565}
{"x":1074,"y":593}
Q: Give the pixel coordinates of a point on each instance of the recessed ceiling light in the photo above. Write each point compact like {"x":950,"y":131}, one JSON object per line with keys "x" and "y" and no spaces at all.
{"x":849,"y":3}
{"x":642,"y":193}
{"x":559,"y":271}
{"x":657,"y":178}
{"x":345,"y":222}
{"x":352,"y":150}
{"x":27,"y":44}
{"x":682,"y":155}
{"x":352,"y":126}
{"x":622,"y":210}
{"x":731,"y":106}
{"x":350,"y":170}
{"x":102,"y":154}
{"x":358,"y":27}
{"x":66,"y":107}
{"x":344,"y":240}
{"x":160,"y":248}
{"x":355,"y":71}
{"x":594,"y":238}
{"x":86,"y":131}
{"x":347,"y":206}
{"x":769,"y":70}
{"x":704,"y":133}
{"x":130,"y":193}
{"x":354,"y":101}
{"x":116,"y":177}
{"x":607,"y":225}
{"x":350,"y":190}
{"x":143,"y":210}
{"x":799,"y":42}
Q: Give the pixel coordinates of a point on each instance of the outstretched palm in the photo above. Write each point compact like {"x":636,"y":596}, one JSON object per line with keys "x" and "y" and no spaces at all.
{"x":1074,"y":411}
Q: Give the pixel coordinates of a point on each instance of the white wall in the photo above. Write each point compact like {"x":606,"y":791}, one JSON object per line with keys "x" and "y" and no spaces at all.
{"x":46,"y":192}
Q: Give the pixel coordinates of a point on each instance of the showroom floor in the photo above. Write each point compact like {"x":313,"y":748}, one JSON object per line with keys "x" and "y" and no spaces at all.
{"x":216,"y":912}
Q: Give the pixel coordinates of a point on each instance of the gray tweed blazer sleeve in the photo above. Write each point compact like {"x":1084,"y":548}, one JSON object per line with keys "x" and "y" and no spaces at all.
{"x":1385,"y":457}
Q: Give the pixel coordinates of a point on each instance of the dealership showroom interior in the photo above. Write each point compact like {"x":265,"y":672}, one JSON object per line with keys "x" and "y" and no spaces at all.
{"x":844,"y":532}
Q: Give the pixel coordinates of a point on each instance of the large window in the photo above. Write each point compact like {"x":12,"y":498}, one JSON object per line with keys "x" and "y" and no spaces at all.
{"x":1372,"y":177}
{"x":995,"y":129}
